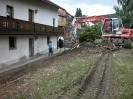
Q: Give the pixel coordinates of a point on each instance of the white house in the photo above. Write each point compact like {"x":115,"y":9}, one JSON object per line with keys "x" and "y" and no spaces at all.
{"x":26,"y":27}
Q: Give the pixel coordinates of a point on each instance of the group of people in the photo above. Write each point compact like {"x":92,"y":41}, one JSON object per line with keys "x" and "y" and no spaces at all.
{"x":60,"y":43}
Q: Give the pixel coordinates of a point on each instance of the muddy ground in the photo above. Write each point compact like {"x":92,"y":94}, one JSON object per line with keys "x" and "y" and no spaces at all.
{"x":96,"y":85}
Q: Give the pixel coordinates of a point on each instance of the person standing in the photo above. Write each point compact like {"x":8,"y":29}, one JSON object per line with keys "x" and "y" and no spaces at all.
{"x":50,"y":48}
{"x":60,"y":42}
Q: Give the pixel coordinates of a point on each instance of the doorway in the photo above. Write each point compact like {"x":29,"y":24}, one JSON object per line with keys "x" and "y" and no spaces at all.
{"x":48,"y":39}
{"x":31,"y":47}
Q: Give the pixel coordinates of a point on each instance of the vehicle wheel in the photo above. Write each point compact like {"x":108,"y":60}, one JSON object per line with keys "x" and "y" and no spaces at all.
{"x":127,"y":43}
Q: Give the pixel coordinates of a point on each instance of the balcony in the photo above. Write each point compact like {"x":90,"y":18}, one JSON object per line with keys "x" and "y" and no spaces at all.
{"x":10,"y":26}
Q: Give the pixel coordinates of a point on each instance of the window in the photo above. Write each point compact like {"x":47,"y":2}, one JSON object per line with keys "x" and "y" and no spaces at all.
{"x":62,"y":19}
{"x":117,"y":23}
{"x":12,"y":42}
{"x":53,"y":21}
{"x":9,"y":11}
{"x":31,"y":15}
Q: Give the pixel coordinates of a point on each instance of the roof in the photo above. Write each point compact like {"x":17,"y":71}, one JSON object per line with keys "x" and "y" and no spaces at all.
{"x":61,"y":12}
{"x":53,"y":4}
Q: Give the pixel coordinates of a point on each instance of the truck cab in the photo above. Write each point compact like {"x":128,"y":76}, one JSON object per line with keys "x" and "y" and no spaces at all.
{"x":112,"y":26}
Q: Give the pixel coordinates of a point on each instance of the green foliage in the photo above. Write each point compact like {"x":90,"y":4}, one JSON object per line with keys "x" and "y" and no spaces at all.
{"x":83,"y":25}
{"x":87,"y":28}
{"x":96,"y":28}
{"x":79,"y":31}
{"x":68,"y":21}
{"x":78,"y":13}
{"x":87,"y":37}
{"x":90,"y":33}
{"x":125,"y":12}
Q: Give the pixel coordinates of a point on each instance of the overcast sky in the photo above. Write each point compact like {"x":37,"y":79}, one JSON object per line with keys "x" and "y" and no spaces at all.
{"x":88,"y":7}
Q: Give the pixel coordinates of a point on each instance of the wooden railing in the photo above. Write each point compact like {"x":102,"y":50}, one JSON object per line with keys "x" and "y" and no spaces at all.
{"x":8,"y":23}
{"x":56,"y":30}
{"x":16,"y":26}
{"x":40,"y":27}
{"x":25,"y":25}
{"x":49,"y":29}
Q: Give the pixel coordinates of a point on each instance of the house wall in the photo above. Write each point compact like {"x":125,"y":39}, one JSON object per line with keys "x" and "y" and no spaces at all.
{"x":45,"y":13}
{"x":61,"y":21}
{"x":8,"y":56}
{"x":41,"y":44}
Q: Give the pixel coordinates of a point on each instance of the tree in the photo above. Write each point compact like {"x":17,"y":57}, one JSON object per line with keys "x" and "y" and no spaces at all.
{"x":125,"y":12}
{"x":97,"y":29}
{"x":90,"y":33}
{"x":78,"y":13}
{"x":87,"y":37}
{"x":118,"y":12}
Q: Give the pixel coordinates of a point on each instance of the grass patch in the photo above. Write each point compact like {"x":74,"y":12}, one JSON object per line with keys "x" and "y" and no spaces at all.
{"x":132,"y":44}
{"x":98,"y":40}
{"x":53,"y":85}
{"x":123,"y":67}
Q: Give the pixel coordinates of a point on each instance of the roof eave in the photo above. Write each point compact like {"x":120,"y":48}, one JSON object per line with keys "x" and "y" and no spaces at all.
{"x":53,"y":4}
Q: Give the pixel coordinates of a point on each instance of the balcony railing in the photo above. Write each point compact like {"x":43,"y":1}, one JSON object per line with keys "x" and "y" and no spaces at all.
{"x":15,"y":26}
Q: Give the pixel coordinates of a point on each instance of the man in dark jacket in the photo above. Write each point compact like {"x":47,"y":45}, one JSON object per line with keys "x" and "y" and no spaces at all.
{"x":60,"y":42}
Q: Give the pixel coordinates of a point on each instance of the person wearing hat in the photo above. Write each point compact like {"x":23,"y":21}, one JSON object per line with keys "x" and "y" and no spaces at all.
{"x":50,"y":48}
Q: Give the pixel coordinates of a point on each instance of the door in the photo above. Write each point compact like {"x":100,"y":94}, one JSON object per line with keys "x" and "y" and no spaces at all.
{"x":30,"y":15}
{"x":31,"y":47}
{"x":48,"y":39}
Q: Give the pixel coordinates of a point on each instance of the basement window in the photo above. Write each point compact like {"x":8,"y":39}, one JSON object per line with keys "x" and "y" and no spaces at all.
{"x":12,"y":43}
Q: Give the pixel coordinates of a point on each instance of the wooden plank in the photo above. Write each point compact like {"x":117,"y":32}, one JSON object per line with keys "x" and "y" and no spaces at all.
{"x":39,"y":27}
{"x":25,"y":25}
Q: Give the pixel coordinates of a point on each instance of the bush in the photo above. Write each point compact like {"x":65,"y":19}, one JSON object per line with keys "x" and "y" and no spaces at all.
{"x":87,"y":37}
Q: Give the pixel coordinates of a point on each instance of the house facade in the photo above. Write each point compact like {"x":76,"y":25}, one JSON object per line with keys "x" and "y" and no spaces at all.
{"x":65,"y":21}
{"x":26,"y":27}
{"x":61,"y":18}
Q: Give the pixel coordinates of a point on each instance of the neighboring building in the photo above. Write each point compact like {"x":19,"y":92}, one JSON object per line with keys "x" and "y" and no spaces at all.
{"x":65,"y":21}
{"x":61,"y":18}
{"x":26,"y":27}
